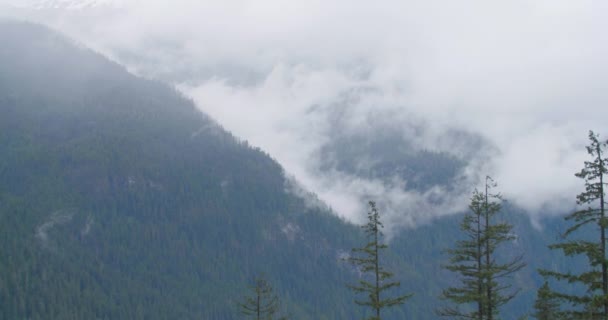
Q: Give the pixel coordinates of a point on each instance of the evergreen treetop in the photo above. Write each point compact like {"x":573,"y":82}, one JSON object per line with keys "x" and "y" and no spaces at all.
{"x":593,"y":303}
{"x":367,"y":259}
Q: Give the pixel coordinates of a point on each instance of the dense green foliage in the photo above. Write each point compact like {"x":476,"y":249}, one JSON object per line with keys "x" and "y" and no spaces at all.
{"x":485,"y":279}
{"x":593,"y":302}
{"x":368,"y":261}
{"x":120,"y":200}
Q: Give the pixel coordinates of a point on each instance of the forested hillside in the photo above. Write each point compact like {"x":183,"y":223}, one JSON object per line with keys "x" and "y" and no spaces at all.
{"x":120,"y":200}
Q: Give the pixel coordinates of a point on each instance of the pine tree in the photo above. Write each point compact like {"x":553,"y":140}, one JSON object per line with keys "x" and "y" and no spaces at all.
{"x":483,"y":288}
{"x":367,"y":259}
{"x":545,"y":306}
{"x":263,"y":304}
{"x":593,"y":303}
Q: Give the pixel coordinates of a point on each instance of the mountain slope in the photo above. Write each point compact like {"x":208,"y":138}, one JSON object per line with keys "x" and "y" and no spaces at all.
{"x":120,"y":200}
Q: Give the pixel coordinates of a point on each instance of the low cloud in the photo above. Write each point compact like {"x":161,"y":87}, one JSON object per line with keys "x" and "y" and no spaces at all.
{"x":510,"y":88}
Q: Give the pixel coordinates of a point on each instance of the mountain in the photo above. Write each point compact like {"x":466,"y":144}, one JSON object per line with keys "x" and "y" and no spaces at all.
{"x":119,"y":199}
{"x":65,"y":4}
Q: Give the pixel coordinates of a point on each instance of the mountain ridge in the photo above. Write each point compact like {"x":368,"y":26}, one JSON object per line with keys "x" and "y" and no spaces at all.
{"x":134,"y":164}
{"x":119,"y":199}
{"x":66,"y":4}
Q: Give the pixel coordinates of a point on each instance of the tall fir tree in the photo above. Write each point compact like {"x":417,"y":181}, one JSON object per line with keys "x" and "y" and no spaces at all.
{"x":591,"y":221}
{"x":484,"y":282}
{"x":263,"y":304}
{"x":367,"y":259}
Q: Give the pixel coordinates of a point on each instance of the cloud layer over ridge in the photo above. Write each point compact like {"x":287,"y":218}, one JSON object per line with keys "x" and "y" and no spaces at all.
{"x":508,"y":88}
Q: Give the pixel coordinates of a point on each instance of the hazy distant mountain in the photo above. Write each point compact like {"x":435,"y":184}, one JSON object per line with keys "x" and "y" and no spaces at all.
{"x":120,"y":200}
{"x":64,"y":4}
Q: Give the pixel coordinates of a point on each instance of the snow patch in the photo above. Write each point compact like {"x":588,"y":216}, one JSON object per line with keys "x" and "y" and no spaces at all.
{"x":87,"y":227}
{"x":290,"y":230}
{"x":58,"y":217}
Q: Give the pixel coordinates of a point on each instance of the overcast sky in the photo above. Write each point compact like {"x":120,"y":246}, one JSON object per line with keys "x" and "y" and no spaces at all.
{"x":529,"y":76}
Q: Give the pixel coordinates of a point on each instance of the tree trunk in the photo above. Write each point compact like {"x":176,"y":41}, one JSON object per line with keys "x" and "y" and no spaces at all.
{"x":480,"y":279}
{"x":487,"y":241}
{"x":603,"y":234}
{"x":377,"y":274}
